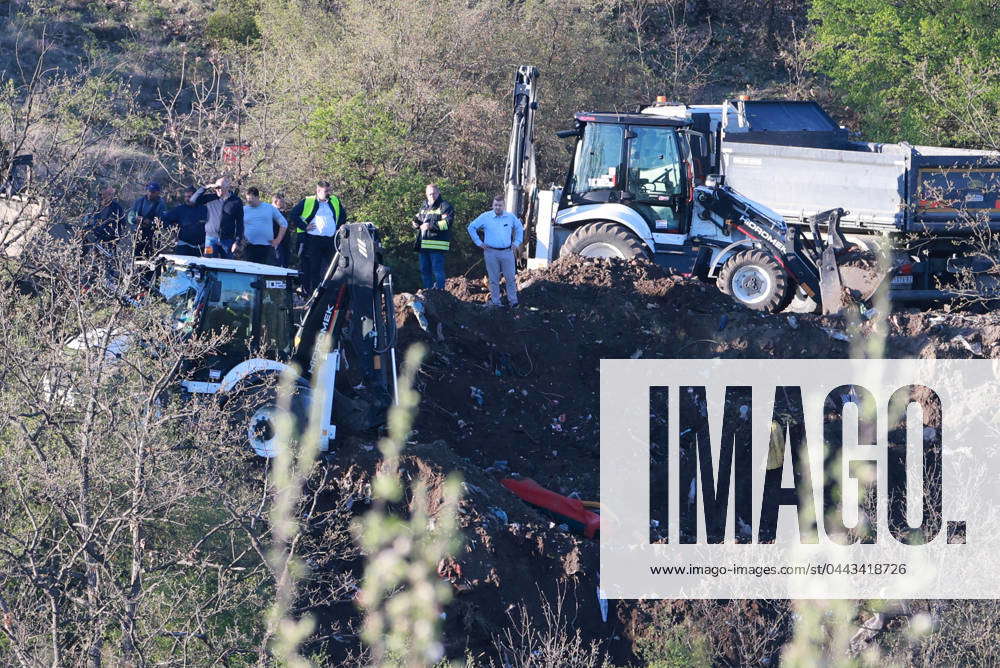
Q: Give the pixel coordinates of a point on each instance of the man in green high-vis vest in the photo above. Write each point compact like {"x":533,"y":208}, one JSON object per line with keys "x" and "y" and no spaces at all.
{"x":433,"y":225}
{"x":316,"y":219}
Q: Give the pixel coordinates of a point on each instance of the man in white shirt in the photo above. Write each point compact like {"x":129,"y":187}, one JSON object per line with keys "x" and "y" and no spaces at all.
{"x":258,"y":229}
{"x":316,"y":220}
{"x":499,"y":233}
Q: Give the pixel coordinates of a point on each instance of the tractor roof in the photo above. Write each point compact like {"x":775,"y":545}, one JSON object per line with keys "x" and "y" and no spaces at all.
{"x":237,"y":266}
{"x":630,"y":119}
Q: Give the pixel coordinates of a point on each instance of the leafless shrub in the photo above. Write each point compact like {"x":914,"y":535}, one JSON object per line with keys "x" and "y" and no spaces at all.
{"x":526,"y":644}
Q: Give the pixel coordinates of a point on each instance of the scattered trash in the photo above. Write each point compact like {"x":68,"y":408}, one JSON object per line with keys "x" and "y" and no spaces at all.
{"x":793,"y":322}
{"x":654,"y":523}
{"x":417,"y":306}
{"x":974,"y":348}
{"x":868,"y":314}
{"x":602,"y":603}
{"x":652,"y":306}
{"x":836,"y":334}
{"x":636,"y":355}
{"x":499,"y":514}
{"x":477,"y":395}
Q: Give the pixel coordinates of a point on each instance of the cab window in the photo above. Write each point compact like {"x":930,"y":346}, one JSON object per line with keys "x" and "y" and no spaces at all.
{"x":229,"y":308}
{"x":654,"y":164}
{"x":275,"y":334}
{"x":598,"y":158}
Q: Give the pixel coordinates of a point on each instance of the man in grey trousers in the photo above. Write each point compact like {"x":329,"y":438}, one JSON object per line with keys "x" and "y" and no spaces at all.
{"x":499,"y":233}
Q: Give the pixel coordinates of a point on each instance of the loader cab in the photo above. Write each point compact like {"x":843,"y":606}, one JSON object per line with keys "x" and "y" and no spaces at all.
{"x":248,"y":304}
{"x":633,"y":160}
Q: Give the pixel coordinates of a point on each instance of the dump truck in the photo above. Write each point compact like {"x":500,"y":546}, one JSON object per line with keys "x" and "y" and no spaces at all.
{"x":648,"y":184}
{"x":930,"y":206}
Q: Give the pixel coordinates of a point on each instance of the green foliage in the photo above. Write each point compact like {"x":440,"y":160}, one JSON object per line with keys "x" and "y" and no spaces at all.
{"x":364,"y":149}
{"x":233,"y":22}
{"x":678,"y":646}
{"x":401,"y":593}
{"x":356,"y":140}
{"x":927,"y":72}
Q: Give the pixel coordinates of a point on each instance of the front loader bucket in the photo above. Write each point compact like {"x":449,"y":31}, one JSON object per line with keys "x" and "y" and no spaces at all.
{"x":848,"y":277}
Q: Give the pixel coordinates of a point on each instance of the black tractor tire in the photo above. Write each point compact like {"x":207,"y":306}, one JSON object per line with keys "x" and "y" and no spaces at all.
{"x":254,"y":407}
{"x":604,"y":240}
{"x":756,"y":280}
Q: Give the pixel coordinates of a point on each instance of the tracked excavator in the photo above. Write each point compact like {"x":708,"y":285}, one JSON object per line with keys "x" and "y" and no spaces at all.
{"x":630,"y":191}
{"x":343,"y":343}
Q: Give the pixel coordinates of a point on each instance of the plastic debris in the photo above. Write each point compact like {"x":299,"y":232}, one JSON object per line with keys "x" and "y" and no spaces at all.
{"x":499,"y":514}
{"x":836,"y":334}
{"x":974,"y":348}
{"x":723,"y":321}
{"x":793,"y":322}
{"x":868,"y":314}
{"x":636,"y":355}
{"x":477,"y":395}
{"x":602,"y":603}
{"x":417,"y":306}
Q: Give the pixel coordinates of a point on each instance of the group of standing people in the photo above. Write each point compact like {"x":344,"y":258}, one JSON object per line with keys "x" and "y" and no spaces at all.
{"x":499,"y":233}
{"x":214,"y":221}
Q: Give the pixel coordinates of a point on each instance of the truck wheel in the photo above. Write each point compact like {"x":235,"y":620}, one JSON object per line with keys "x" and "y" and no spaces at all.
{"x":255,"y":418}
{"x":756,"y":280}
{"x":604,"y":240}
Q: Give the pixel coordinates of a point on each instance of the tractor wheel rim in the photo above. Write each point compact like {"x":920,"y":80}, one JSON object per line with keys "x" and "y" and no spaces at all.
{"x":602,"y":249}
{"x":261,"y":432}
{"x":751,"y":284}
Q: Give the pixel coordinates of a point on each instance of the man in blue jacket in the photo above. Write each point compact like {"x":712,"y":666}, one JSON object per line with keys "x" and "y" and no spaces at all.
{"x":499,"y":233}
{"x":145,"y":216}
{"x":190,"y":221}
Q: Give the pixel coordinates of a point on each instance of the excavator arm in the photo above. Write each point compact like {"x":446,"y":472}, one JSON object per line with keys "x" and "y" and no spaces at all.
{"x":521,"y":180}
{"x":351,"y":307}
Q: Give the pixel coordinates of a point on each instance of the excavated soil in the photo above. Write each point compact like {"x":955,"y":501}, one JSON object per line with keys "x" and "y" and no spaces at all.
{"x":515,"y":392}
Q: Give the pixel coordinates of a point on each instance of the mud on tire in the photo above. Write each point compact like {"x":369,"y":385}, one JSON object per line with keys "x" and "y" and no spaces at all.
{"x":756,"y":280}
{"x":604,"y":240}
{"x":255,"y":409}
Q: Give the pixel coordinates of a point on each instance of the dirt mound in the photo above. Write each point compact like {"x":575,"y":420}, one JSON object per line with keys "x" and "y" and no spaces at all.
{"x":515,"y":392}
